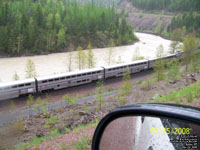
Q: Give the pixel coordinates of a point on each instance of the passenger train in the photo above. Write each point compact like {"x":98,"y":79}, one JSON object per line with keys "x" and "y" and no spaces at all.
{"x":39,"y":84}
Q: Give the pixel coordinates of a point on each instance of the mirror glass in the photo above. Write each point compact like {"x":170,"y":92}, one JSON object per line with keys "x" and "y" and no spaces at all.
{"x":150,"y":133}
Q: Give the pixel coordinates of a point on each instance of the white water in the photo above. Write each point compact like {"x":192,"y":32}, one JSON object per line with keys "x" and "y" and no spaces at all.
{"x":57,"y":63}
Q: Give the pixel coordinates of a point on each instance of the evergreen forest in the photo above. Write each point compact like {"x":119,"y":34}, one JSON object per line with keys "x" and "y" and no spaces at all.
{"x":44,"y":26}
{"x":170,"y":5}
{"x":189,"y":21}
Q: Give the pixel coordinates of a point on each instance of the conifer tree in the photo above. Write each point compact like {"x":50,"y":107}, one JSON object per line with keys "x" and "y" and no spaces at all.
{"x":190,"y":44}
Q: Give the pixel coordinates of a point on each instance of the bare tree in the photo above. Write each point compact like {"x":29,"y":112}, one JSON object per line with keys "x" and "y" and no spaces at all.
{"x":110,"y":51}
{"x":136,"y":55}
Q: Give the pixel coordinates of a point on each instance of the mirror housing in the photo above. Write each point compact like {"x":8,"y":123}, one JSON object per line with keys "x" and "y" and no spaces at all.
{"x":180,"y":112}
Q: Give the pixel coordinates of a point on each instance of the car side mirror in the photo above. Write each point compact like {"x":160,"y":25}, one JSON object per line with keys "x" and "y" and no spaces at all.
{"x":149,"y":126}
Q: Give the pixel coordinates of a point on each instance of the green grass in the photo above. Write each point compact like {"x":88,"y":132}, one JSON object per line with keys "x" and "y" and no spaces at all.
{"x":189,"y":94}
{"x":80,"y":127}
{"x":81,"y":144}
{"x":139,"y":82}
{"x":36,"y":141}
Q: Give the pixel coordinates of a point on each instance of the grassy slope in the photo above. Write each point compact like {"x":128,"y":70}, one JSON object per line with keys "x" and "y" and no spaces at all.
{"x":188,"y":96}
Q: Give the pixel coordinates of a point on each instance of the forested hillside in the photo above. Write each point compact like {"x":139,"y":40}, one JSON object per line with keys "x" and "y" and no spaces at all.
{"x":33,"y":26}
{"x":106,"y":3}
{"x":189,"y":21}
{"x":186,"y":14}
{"x":170,"y":5}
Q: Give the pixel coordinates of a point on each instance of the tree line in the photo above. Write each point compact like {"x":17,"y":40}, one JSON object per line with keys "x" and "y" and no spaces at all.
{"x":170,"y":5}
{"x":34,"y":27}
{"x":189,"y":21}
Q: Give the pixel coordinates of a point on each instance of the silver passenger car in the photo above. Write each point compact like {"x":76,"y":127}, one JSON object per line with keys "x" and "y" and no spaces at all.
{"x":167,"y":58}
{"x":16,"y":88}
{"x":69,"y":79}
{"x":118,"y":70}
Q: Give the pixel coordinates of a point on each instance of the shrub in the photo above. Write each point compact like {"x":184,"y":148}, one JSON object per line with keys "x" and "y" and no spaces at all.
{"x":70,"y":100}
{"x":18,"y":126}
{"x":121,"y":100}
{"x":147,"y":84}
{"x":99,"y":94}
{"x":12,"y":105}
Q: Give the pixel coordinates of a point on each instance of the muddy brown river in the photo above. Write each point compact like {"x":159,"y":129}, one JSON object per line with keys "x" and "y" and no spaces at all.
{"x":58,"y":62}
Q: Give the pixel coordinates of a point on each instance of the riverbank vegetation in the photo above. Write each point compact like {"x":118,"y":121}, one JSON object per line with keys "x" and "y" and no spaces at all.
{"x":38,"y":27}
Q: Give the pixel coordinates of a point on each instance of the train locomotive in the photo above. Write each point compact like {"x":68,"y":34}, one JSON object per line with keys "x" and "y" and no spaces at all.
{"x":39,"y":84}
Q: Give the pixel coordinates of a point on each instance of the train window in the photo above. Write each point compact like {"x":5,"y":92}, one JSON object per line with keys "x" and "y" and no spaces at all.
{"x":56,"y":79}
{"x":89,"y":73}
{"x":73,"y":76}
{"x":84,"y":74}
{"x":68,"y":77}
{"x":15,"y":86}
{"x":84,"y":80}
{"x":79,"y":75}
{"x":78,"y":81}
{"x":62,"y":78}
{"x":45,"y":81}
{"x":21,"y":85}
{"x":51,"y":80}
{"x":99,"y":72}
{"x":93,"y":72}
{"x":27,"y":84}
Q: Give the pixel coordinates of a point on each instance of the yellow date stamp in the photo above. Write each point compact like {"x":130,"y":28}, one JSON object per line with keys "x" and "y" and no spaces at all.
{"x":175,"y":131}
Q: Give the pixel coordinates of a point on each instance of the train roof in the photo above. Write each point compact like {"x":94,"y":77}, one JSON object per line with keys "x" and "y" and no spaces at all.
{"x":69,"y":73}
{"x":168,"y":55}
{"x":126,"y":64}
{"x":7,"y":84}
